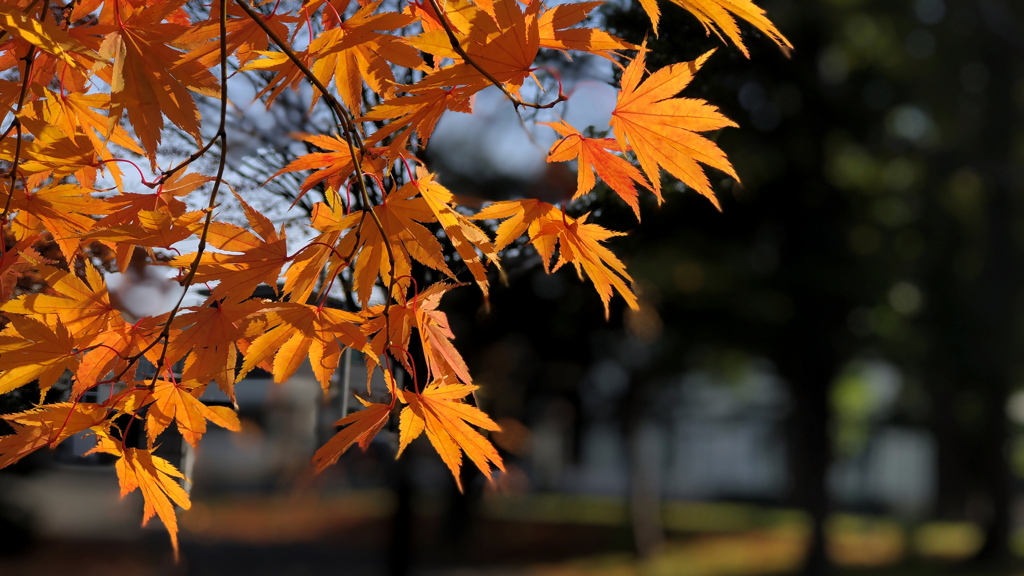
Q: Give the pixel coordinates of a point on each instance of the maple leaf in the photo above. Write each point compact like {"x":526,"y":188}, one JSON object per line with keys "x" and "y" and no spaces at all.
{"x":354,"y":52}
{"x":519,"y":216}
{"x":77,"y":112}
{"x":402,"y":216}
{"x":440,"y":411}
{"x":415,"y":114}
{"x":577,"y":241}
{"x":151,"y":79}
{"x":151,"y":228}
{"x":83,"y":306}
{"x":288,"y":74}
{"x":46,"y":425}
{"x":295,"y":330}
{"x":360,"y":427}
{"x":662,"y":130}
{"x":718,"y":16}
{"x":245,"y":38}
{"x":63,"y":211}
{"x":53,"y":154}
{"x":157,"y":219}
{"x":555,"y":30}
{"x":13,"y":265}
{"x":46,"y":36}
{"x":593,"y":155}
{"x":155,"y":477}
{"x":580,"y":243}
{"x":503,"y":41}
{"x":177,"y":402}
{"x":210,"y":336}
{"x":420,"y":312}
{"x":307,"y":264}
{"x":110,"y":350}
{"x":262,"y":254}
{"x":333,"y":168}
{"x":126,"y":207}
{"x":465,"y":236}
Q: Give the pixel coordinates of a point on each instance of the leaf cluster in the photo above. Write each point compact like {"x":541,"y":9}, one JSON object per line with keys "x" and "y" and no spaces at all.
{"x":90,"y":89}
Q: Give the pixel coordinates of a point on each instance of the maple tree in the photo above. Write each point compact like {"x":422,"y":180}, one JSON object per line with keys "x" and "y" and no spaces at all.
{"x":90,"y":85}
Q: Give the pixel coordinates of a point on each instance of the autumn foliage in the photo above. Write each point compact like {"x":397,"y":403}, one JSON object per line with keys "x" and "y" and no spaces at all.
{"x":89,"y":85}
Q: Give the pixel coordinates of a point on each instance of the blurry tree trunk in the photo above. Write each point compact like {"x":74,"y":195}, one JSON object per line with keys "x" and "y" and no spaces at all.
{"x":402,"y":545}
{"x":810,"y":374}
{"x":815,"y":263}
{"x":951,"y":472}
{"x":644,"y":492}
{"x":976,"y":310}
{"x":994,"y":318}
{"x":460,"y":513}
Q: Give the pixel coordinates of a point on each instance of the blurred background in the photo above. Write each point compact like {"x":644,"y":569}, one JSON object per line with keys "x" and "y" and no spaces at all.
{"x":824,"y":377}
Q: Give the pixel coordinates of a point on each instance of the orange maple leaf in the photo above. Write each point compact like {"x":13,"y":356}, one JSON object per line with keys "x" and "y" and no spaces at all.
{"x":354,"y":52}
{"x":76,"y":113}
{"x":62,"y":210}
{"x":662,"y":130}
{"x":556,"y":32}
{"x":209,"y":336}
{"x":333,"y":168}
{"x":152,"y":228}
{"x":110,"y":351}
{"x":360,"y":427}
{"x":297,"y":330}
{"x":403,"y":216}
{"x":155,"y":477}
{"x":593,"y":155}
{"x":415,"y":114}
{"x":46,"y":425}
{"x":420,"y":312}
{"x":150,"y":78}
{"x":440,"y":411}
{"x":14,"y":266}
{"x":718,"y":15}
{"x":576,"y":240}
{"x":53,"y":154}
{"x":500,"y":37}
{"x":83,"y":306}
{"x":31,"y":350}
{"x":177,"y":402}
{"x":149,"y":219}
{"x":261,"y":255}
{"x":466,"y":237}
{"x":46,"y":36}
{"x":245,"y":38}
